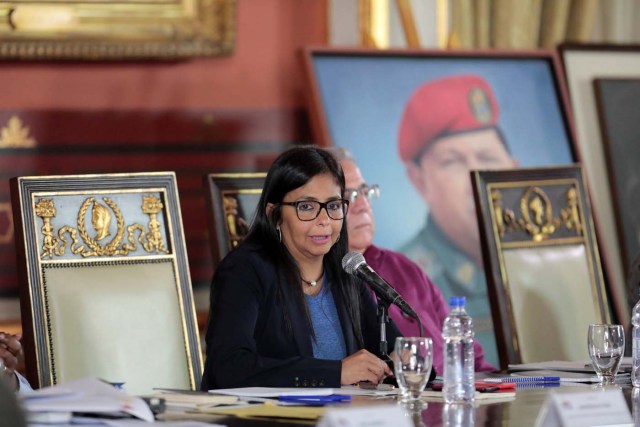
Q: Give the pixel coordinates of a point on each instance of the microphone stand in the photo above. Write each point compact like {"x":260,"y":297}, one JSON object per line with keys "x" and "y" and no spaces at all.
{"x":383,"y":319}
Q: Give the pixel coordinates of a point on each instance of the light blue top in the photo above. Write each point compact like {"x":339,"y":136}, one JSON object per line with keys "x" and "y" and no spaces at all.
{"x":329,"y":343}
{"x":23,"y":384}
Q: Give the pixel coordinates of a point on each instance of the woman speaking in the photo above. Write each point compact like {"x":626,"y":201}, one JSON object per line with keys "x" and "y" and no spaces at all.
{"x":283,"y":312}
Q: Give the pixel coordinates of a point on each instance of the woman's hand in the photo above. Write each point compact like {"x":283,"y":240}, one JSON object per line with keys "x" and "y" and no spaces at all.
{"x":363,"y":366}
{"x":10,"y":352}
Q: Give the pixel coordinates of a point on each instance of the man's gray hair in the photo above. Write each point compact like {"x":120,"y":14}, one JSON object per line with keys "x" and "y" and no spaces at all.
{"x":340,"y":153}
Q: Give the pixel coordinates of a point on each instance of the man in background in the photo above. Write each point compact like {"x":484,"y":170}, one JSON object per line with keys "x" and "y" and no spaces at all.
{"x":10,"y":355}
{"x":450,"y":127}
{"x":404,"y":275}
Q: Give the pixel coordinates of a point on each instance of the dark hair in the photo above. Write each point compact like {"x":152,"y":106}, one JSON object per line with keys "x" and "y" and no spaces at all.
{"x":293,"y":169}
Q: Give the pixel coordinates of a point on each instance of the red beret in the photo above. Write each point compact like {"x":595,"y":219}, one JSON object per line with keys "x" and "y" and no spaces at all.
{"x":443,"y":107}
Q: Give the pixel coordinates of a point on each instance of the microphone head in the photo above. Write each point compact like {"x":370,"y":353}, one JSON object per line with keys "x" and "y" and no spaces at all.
{"x":351,"y":261}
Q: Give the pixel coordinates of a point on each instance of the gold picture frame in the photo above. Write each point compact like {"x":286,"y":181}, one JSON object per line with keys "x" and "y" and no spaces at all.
{"x":232,"y":199}
{"x":116,"y":29}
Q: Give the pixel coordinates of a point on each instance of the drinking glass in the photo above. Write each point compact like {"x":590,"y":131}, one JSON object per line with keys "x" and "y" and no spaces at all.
{"x":606,"y":347}
{"x":413,"y":359}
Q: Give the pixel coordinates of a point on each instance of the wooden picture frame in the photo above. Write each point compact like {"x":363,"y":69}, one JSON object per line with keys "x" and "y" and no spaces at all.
{"x":619,"y":119}
{"x":357,"y":98}
{"x":582,"y":64}
{"x":231,"y":200}
{"x":118,"y":29}
{"x":542,"y":261}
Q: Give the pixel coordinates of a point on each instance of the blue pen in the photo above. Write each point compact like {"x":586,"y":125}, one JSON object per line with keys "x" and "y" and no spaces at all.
{"x":526,"y":380}
{"x":333,"y":398}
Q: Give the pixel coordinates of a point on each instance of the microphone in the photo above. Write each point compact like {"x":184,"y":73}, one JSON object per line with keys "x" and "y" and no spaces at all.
{"x":354,"y":264}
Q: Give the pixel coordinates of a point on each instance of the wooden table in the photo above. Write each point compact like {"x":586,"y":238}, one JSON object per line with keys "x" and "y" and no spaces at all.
{"x":520,"y":412}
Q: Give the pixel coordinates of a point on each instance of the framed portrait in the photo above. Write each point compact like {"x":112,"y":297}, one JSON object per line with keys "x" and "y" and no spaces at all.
{"x":619,"y":119}
{"x":360,"y":100}
{"x":117,"y":29}
{"x":232,"y":199}
{"x":582,"y":65}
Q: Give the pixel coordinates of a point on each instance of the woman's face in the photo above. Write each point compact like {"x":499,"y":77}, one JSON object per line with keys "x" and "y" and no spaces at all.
{"x":310,"y":240}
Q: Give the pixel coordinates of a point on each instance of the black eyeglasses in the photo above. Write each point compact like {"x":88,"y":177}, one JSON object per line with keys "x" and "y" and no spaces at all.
{"x":308,"y":210}
{"x":367,"y":191}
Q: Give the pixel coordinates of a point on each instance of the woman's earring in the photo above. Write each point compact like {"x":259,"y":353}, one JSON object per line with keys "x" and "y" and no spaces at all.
{"x":338,"y":238}
{"x":279,"y":234}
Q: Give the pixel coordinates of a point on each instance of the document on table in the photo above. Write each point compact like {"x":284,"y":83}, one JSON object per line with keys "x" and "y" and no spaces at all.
{"x":501,"y":396}
{"x":86,"y":395}
{"x":270,"y":410}
{"x":555,"y":365}
{"x":352,"y":390}
{"x":127,"y":422}
{"x":562,"y":377}
{"x":187,"y":399}
{"x":583,"y":366}
{"x":273,"y":392}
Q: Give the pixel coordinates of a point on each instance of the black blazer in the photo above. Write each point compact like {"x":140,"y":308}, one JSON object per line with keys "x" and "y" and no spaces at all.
{"x":247,"y":343}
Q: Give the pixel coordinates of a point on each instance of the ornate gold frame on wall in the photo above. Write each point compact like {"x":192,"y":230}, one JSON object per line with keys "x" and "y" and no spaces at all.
{"x":232,"y":199}
{"x":116,"y":29}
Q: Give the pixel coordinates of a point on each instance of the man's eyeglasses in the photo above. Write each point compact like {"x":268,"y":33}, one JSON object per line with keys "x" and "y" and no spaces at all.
{"x":308,"y":210}
{"x":367,"y":191}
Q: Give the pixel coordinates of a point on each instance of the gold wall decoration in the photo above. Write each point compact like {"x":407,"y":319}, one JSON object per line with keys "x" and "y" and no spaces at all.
{"x":6,"y":233}
{"x":79,"y":239}
{"x":237,"y":226}
{"x":536,"y":214}
{"x":15,"y":134}
{"x":116,"y":29}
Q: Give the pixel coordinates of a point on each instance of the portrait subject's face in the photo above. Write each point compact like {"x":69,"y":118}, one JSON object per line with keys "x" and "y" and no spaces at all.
{"x":307,"y":240}
{"x":360,"y":222}
{"x":442,"y":178}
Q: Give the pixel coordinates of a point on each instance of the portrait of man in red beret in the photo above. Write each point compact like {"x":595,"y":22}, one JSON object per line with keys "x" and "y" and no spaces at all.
{"x":417,"y":125}
{"x":449,"y":127}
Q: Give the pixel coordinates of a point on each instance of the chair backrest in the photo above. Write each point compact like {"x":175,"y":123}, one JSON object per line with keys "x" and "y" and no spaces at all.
{"x":105,"y":288}
{"x":541,"y":261}
{"x":232,"y":199}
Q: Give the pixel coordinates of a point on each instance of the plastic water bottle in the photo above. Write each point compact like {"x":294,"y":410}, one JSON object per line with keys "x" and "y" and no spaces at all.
{"x":635,"y":345}
{"x":635,"y":405}
{"x":459,"y":373}
{"x":458,"y":415}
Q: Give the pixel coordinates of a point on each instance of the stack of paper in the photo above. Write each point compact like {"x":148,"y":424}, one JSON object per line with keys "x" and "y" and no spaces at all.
{"x":193,"y":400}
{"x":480,"y":398}
{"x":584,"y":366}
{"x":85,"y":396}
{"x":275,"y":392}
{"x":269,"y":410}
{"x":272,"y":391}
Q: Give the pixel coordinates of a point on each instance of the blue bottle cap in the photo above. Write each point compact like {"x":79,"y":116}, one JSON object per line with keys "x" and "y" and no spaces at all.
{"x":457,"y":301}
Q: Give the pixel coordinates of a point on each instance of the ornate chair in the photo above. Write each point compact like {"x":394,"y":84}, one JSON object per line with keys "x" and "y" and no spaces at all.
{"x":541,"y":260}
{"x":105,"y":286}
{"x":232,"y":199}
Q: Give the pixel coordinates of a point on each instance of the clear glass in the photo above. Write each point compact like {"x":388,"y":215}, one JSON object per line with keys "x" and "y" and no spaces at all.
{"x":635,"y":345}
{"x":413,"y":359}
{"x":606,"y":347}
